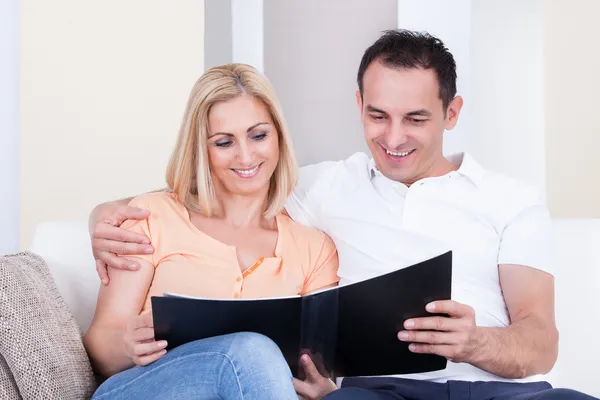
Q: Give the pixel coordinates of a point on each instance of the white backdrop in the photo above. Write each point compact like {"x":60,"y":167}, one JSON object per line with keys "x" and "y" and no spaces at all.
{"x":451,"y":22}
{"x":247,"y":32}
{"x":9,"y":126}
{"x":500,"y":65}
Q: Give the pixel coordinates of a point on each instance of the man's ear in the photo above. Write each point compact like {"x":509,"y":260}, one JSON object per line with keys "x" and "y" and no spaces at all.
{"x":452,"y":112}
{"x":359,"y":101}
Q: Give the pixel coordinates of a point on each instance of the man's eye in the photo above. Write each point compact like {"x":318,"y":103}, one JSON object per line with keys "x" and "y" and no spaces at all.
{"x":417,"y":121}
{"x":377,"y":117}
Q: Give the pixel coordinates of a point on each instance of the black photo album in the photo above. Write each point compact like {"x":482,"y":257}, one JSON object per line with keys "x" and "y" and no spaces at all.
{"x":348,"y":330}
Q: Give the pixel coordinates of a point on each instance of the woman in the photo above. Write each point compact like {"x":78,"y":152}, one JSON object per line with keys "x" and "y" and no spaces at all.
{"x":220,"y":233}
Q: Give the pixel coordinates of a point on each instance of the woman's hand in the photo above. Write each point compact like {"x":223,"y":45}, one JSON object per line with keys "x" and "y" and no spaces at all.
{"x":109,"y":240}
{"x":139,"y":340}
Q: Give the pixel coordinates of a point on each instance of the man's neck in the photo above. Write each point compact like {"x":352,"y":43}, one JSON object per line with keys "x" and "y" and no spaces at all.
{"x":440,"y":167}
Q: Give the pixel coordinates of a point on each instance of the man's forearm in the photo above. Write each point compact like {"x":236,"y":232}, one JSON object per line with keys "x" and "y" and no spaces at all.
{"x":525,"y":348}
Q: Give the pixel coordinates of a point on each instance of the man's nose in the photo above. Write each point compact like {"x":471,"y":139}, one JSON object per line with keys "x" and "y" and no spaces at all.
{"x":396,"y":136}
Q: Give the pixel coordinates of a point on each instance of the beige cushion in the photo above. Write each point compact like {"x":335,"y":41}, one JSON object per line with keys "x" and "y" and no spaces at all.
{"x":40,"y":342}
{"x":8,"y":387}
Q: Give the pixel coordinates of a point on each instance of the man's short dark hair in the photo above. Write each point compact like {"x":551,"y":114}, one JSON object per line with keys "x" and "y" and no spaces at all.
{"x":408,"y":49}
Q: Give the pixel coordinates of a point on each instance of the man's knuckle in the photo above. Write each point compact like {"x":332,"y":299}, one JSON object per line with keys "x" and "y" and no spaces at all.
{"x":439,"y":323}
{"x":453,"y":353}
{"x":120,"y":218}
{"x":430,"y":338}
{"x":97,"y":230}
{"x":120,"y":235}
{"x":467,"y":327}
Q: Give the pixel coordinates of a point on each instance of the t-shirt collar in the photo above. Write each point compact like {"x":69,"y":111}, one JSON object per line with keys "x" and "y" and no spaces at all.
{"x":467,"y":166}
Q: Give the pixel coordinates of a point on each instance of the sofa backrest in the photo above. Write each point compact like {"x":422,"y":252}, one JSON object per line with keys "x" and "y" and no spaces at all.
{"x":65,"y":245}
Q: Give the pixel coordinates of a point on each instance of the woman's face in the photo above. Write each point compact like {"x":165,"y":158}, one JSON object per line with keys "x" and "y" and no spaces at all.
{"x":243,"y":146}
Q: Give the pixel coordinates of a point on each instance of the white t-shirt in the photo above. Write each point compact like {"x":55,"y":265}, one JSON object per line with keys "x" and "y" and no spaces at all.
{"x":379,"y":225}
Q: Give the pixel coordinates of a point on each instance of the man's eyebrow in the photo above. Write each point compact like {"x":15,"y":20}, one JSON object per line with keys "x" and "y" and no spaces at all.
{"x":370,"y":108}
{"x":247,"y":130}
{"x":419,"y":113}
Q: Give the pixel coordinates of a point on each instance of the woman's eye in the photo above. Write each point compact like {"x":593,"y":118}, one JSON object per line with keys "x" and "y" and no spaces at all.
{"x":223,"y":144}
{"x":260,"y":136}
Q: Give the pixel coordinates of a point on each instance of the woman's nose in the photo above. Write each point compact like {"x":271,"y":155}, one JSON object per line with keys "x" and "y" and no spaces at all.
{"x":245,"y":155}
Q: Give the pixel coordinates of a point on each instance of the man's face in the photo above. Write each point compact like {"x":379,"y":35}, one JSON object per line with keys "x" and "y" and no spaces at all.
{"x":404,"y":121}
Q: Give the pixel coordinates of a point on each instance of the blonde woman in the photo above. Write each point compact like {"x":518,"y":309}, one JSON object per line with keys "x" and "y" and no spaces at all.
{"x":219,"y":232}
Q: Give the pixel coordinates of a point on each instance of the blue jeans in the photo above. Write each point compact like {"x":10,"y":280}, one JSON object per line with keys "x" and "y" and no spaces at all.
{"x":239,"y":366}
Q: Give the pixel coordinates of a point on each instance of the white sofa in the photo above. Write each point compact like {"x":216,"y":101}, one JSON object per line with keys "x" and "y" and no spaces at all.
{"x":65,"y":245}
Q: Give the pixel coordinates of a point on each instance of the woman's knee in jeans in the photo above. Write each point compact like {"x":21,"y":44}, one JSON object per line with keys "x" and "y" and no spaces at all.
{"x":252,"y":340}
{"x":255,"y":345}
{"x":259,"y":351}
{"x":260,"y":368}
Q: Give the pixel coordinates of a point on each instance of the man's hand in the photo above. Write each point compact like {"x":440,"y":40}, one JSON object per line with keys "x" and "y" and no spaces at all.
{"x":108,"y":239}
{"x":453,"y":337}
{"x":315,"y":386}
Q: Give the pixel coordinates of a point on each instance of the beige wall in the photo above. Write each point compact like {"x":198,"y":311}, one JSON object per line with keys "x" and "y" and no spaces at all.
{"x":103,"y":89}
{"x":572,"y":87}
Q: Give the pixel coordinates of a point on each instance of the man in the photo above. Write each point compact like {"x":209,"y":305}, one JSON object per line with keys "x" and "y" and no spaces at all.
{"x":408,"y":203}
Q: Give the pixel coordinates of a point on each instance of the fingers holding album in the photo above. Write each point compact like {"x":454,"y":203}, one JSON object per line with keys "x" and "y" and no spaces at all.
{"x":314,"y":385}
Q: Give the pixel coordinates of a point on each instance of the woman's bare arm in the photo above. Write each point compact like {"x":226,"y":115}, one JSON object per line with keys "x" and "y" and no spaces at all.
{"x":118,"y":303}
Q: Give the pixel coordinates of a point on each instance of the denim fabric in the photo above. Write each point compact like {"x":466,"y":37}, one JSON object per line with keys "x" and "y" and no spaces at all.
{"x":232,"y":367}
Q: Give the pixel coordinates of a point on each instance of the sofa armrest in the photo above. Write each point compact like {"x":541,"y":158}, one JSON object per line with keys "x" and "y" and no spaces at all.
{"x":66,"y":248}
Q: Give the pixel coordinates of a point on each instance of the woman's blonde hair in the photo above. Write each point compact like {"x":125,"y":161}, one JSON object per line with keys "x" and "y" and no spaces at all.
{"x":188,"y":173}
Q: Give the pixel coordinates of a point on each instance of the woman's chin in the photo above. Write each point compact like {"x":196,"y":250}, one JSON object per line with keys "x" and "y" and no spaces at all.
{"x":250,"y":189}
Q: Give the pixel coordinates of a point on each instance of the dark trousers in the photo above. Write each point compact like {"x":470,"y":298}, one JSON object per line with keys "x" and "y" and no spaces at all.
{"x":407,"y":389}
